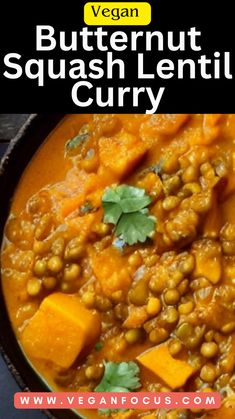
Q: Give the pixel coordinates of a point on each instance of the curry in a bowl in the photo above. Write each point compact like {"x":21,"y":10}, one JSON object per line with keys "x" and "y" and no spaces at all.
{"x":119,"y":254}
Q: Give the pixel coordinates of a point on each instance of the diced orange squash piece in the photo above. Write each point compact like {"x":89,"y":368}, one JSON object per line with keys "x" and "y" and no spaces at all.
{"x":208,"y":260}
{"x":121,"y":153}
{"x":136,"y":317}
{"x":211,"y":128}
{"x":83,"y":226}
{"x":168,"y":124}
{"x":152,"y":184}
{"x":60,"y":329}
{"x":211,"y":268}
{"x":132,"y":123}
{"x":212,"y":312}
{"x":74,"y":192}
{"x":108,"y":267}
{"x":173,"y":372}
{"x":71,"y":204}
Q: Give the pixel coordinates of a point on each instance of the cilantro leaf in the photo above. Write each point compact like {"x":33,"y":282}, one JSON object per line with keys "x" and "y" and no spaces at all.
{"x":111,"y":195}
{"x":135,"y":227}
{"x":127,"y":198}
{"x":125,"y":207}
{"x":119,"y":377}
{"x":112,"y":212}
{"x":132,"y":199}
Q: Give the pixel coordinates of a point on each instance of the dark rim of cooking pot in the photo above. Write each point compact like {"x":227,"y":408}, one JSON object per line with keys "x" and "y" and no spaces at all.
{"x":18,"y":155}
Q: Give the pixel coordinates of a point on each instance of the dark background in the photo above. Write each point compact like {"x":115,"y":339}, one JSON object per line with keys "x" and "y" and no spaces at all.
{"x":215,"y":19}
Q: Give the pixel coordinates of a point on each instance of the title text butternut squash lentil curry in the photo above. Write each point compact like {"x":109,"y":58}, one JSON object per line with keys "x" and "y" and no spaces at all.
{"x":119,"y":257}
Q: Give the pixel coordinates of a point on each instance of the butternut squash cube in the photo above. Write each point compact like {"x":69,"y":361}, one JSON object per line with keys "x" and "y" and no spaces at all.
{"x":168,"y":123}
{"x":121,"y":153}
{"x":207,"y":260}
{"x":108,"y":267}
{"x":60,"y":329}
{"x":173,"y":372}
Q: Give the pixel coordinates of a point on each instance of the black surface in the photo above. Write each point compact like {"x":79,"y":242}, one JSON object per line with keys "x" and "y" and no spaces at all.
{"x":8,"y":387}
{"x":9,"y":125}
{"x":3,"y":146}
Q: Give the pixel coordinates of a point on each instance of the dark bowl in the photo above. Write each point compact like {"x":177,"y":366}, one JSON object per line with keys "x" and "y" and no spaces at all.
{"x":18,"y":155}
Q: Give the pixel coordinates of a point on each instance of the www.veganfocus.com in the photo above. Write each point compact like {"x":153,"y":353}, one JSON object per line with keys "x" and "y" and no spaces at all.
{"x":141,"y":400}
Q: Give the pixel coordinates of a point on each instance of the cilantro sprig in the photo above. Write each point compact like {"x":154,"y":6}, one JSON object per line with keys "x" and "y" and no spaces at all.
{"x":119,"y":377}
{"x":125,"y":207}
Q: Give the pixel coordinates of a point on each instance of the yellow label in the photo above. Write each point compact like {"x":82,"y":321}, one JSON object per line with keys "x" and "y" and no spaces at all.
{"x":117,"y":13}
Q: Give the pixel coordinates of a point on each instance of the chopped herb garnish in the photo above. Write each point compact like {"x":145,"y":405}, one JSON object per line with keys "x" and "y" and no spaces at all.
{"x":155,"y":168}
{"x":75,"y":142}
{"x":86,"y":208}
{"x":135,"y":227}
{"x":125,"y":207}
{"x":120,"y":377}
{"x":99,"y":346}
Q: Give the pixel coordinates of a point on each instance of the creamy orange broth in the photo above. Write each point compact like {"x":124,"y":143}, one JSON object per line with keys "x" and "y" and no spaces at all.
{"x":43,"y":168}
{"x":173,"y":291}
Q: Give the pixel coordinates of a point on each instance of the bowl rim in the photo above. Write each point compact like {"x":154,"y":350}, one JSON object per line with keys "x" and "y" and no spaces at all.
{"x":37,"y":126}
